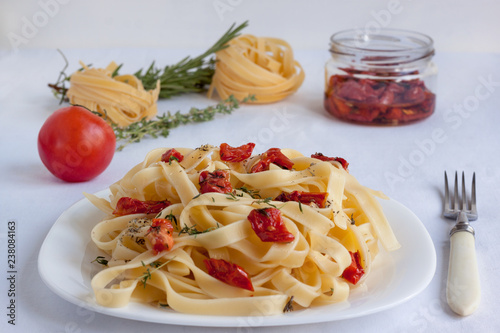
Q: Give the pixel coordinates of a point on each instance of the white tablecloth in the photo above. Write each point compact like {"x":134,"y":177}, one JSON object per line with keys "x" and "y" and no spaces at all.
{"x":405,"y":162}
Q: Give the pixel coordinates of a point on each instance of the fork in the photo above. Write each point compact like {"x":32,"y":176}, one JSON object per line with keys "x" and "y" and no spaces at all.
{"x":462,"y":290}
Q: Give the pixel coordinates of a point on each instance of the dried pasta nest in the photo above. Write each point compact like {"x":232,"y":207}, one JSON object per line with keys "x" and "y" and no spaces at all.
{"x":121,"y":98}
{"x":259,"y":66}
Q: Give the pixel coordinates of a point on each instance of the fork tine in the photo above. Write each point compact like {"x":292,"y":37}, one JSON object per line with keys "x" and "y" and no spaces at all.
{"x":455,"y":193}
{"x":446,"y":193}
{"x":473,"y":207}
{"x":464,"y":194}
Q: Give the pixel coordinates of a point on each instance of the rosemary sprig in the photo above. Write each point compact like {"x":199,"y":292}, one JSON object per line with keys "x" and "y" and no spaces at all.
{"x":162,"y":125}
{"x":189,"y":74}
{"x":59,"y":88}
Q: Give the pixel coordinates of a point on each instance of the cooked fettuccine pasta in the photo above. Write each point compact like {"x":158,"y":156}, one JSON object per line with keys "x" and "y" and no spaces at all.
{"x":219,"y":231}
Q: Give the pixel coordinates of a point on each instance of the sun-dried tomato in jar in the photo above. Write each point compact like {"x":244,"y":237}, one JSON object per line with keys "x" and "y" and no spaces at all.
{"x":385,"y":78}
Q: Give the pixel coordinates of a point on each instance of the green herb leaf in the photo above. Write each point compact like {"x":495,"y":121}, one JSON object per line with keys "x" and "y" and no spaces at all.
{"x":232,"y":196}
{"x":266,"y":201}
{"x":171,"y":217}
{"x":253,"y":193}
{"x":162,"y":125}
{"x":172,"y":158}
{"x":193,"y":231}
{"x":189,"y":74}
{"x":100,"y":260}
{"x":189,"y":230}
{"x":147,"y":274}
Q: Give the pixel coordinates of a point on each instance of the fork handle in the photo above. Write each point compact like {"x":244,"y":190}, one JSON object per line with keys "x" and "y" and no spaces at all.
{"x":463,"y":291}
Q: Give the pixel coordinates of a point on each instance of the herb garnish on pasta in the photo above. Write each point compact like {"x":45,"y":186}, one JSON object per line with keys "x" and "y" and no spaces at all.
{"x":229,"y":238}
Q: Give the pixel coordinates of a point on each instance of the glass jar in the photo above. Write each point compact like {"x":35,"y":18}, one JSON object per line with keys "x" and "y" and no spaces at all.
{"x":382,"y":78}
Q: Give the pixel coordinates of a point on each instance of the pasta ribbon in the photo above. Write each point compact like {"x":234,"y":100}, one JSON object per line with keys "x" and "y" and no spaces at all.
{"x":259,"y":66}
{"x":305,"y":271}
{"x":121,"y":98}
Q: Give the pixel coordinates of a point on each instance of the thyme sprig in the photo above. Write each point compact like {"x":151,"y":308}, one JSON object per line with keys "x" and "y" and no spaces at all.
{"x":253,"y":193}
{"x":156,"y":265}
{"x":232,"y":196}
{"x":171,"y":217}
{"x":189,"y":74}
{"x":101,"y":260}
{"x":162,"y":125}
{"x":266,"y":201}
{"x":193,"y":231}
{"x":189,"y":230}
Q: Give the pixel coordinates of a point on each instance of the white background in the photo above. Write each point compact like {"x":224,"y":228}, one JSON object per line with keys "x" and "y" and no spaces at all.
{"x":460,"y":25}
{"x":405,"y":162}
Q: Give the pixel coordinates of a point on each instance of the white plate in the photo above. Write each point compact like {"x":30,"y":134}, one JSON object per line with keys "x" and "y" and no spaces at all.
{"x":65,"y":266}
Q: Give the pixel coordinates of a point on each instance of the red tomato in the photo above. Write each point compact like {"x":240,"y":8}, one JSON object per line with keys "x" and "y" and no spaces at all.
{"x":269,"y":226}
{"x":236,"y":154}
{"x":160,"y":235}
{"x":127,"y":206}
{"x":307,"y":198}
{"x":355,"y":271}
{"x":75,"y":144}
{"x":217,"y":181}
{"x":170,"y":155}
{"x":229,"y":273}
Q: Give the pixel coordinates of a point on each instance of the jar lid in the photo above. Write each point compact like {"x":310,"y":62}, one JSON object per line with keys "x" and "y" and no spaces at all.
{"x":383,"y":47}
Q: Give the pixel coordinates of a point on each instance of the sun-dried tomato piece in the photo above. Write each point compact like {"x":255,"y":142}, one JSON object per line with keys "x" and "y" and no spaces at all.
{"x":269,"y":226}
{"x":171,"y":155}
{"x":275,"y":156}
{"x":127,"y":206}
{"x":316,"y":198}
{"x":236,"y":154}
{"x":355,"y":271}
{"x":229,"y":273}
{"x":217,"y":181}
{"x":322,"y":157}
{"x":160,"y":235}
{"x":378,"y":101}
{"x":359,"y":90}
